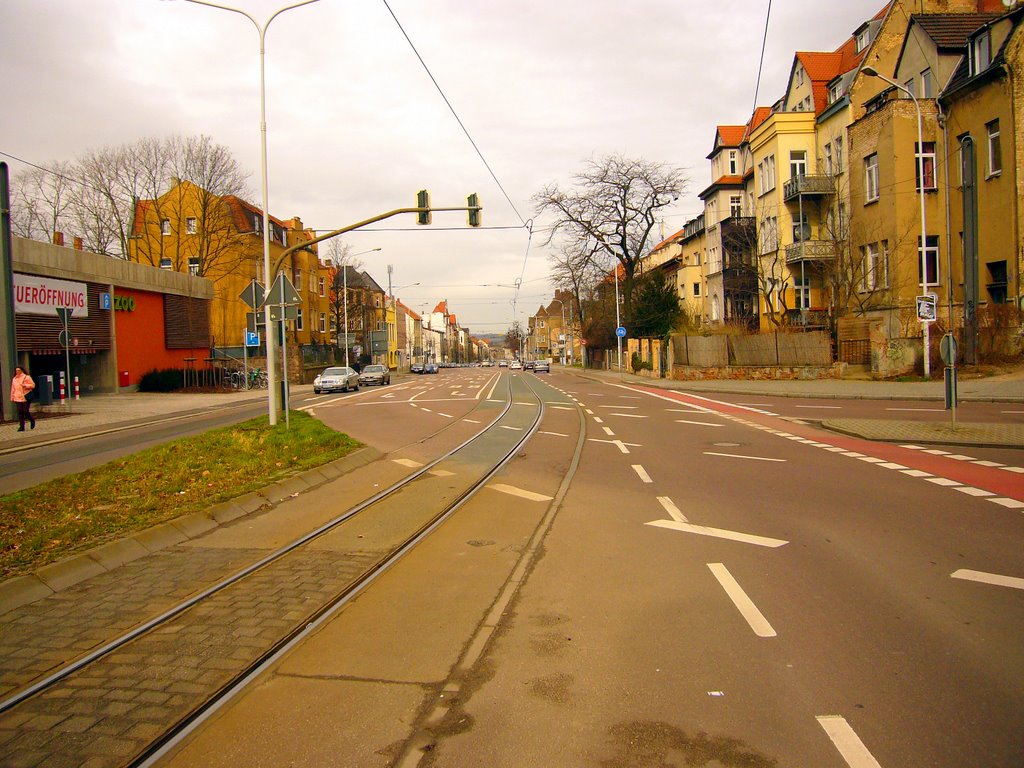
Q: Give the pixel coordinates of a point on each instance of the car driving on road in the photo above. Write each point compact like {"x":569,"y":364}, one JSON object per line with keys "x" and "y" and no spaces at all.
{"x":340,"y":378}
{"x":375,"y":374}
{"x":542,"y":366}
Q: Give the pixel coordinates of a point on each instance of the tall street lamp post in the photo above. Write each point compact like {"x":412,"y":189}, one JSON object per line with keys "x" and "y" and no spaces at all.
{"x":872,"y":72}
{"x":271,"y":337}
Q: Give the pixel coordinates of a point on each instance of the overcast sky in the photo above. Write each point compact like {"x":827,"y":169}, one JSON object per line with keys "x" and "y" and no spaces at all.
{"x":355,"y":126}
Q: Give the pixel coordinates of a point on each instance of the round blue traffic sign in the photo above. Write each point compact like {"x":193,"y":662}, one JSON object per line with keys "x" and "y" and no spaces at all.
{"x":620,"y":332}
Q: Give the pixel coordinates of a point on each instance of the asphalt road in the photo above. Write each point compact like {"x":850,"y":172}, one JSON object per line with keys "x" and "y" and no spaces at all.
{"x":717,"y":587}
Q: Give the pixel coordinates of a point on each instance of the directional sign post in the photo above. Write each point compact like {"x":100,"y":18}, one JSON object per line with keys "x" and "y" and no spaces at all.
{"x":283,"y":301}
{"x":253,"y":295}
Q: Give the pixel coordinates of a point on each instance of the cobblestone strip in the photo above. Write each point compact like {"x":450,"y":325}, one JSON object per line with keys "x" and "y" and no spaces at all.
{"x":107,"y":713}
{"x":43,"y":636}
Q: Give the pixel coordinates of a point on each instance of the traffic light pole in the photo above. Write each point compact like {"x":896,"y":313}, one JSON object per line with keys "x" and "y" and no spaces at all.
{"x":471,"y":208}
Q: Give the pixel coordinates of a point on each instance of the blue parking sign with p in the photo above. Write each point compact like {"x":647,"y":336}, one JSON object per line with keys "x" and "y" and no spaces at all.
{"x":252,"y":339}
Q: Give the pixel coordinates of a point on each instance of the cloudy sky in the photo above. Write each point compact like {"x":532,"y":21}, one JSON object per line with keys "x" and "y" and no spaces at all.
{"x":356,"y":127}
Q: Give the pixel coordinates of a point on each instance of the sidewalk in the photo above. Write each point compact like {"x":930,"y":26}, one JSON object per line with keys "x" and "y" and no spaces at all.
{"x":1008,"y":388}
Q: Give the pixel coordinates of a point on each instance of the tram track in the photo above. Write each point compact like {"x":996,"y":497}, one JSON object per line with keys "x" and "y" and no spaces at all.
{"x":160,"y":678}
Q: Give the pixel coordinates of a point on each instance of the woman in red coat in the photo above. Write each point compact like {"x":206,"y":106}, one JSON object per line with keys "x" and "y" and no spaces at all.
{"x":21,"y":385}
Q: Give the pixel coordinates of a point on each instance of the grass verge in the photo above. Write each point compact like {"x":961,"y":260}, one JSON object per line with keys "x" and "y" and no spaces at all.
{"x":55,"y":519}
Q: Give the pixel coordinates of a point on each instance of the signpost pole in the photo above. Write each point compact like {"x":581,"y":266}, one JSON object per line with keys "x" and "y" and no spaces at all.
{"x":284,"y":362}
{"x":245,"y":355}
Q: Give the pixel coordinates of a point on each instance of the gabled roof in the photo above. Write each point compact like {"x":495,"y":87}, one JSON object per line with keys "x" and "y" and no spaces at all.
{"x":441,"y":308}
{"x":950,"y":30}
{"x":370,"y":283}
{"x":669,"y":240}
{"x":727,"y":137}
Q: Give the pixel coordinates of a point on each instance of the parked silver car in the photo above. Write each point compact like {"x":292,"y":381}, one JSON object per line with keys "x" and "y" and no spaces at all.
{"x":375,"y":374}
{"x":340,"y":378}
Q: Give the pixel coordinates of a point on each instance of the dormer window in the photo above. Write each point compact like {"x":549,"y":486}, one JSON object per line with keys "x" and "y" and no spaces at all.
{"x":981,"y":52}
{"x":835,"y":90}
{"x":863,"y":38}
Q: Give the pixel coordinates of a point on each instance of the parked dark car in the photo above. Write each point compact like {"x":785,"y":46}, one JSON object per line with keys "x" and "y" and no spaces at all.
{"x":416,"y":368}
{"x":340,"y":378}
{"x":430,"y":368}
{"x":375,"y":374}
{"x":528,"y":365}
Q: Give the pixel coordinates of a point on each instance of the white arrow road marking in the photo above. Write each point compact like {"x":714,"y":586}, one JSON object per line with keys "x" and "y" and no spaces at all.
{"x":744,"y":604}
{"x":513,"y":491}
{"x":847,"y":742}
{"x":718,"y":533}
{"x":672,"y":509}
{"x":642,"y":473}
{"x":739,"y":456}
{"x":988,"y":578}
{"x":407,"y":463}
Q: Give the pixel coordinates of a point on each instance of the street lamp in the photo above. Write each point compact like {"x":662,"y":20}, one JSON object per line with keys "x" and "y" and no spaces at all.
{"x":271,"y":338}
{"x":344,"y":300}
{"x":872,"y":72}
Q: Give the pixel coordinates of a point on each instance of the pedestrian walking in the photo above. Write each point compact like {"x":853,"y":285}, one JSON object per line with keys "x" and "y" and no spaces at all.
{"x":22,"y":391}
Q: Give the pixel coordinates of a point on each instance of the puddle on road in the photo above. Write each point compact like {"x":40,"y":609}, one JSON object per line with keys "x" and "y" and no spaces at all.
{"x":648,"y":744}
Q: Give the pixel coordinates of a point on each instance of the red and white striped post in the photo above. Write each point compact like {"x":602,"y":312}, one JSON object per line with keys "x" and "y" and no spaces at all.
{"x":76,"y":387}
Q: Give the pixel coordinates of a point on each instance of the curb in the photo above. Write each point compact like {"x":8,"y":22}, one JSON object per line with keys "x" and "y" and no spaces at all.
{"x":55,"y":577}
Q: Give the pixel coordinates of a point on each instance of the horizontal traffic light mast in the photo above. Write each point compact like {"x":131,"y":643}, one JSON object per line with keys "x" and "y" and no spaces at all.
{"x":472,"y":206}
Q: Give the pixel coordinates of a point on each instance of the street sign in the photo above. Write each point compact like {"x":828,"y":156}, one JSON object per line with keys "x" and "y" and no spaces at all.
{"x":64,"y":313}
{"x":254,"y":321}
{"x":346,"y":339}
{"x":287,"y":312}
{"x":62,"y":338}
{"x":252,"y":339}
{"x":620,"y":332}
{"x":947,"y":349}
{"x":253,"y":295}
{"x":282,"y":292}
{"x":105,"y":302}
{"x":926,"y":308}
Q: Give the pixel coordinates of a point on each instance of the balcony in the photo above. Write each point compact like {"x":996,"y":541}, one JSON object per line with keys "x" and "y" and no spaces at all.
{"x":810,"y":250}
{"x":820,"y":186}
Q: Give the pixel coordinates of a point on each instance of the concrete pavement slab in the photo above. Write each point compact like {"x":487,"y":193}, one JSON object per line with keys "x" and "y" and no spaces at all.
{"x":115,"y":553}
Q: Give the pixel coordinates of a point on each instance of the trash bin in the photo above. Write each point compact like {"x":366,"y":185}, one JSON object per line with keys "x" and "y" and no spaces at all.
{"x":44,"y":390}
{"x":122,"y":379}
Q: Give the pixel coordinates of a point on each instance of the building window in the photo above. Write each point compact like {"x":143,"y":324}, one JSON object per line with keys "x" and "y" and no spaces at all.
{"x":927,"y":159}
{"x":981,"y":52}
{"x":165,"y":263}
{"x":863,"y":39}
{"x":828,"y":159}
{"x":297,"y":278}
{"x":801,"y":229}
{"x":797,"y":163}
{"x":322,"y":286}
{"x":874,"y":266}
{"x":927,"y":86}
{"x":839,"y":154}
{"x":995,"y":153}
{"x":931,"y":259}
{"x":802,"y":288}
{"x":769,"y":234}
{"x":165,"y":227}
{"x":798,"y":76}
{"x":871,"y":178}
{"x":767,"y":174}
{"x":909,"y":85}
{"x":193,"y":265}
{"x":298,"y":319}
{"x":323,"y":322}
{"x":834,"y":92}
{"x":190,"y":225}
{"x":733,"y":164}
{"x":716,"y":312}
{"x":997,"y":288}
{"x":696,"y":290}
{"x":736,"y":206}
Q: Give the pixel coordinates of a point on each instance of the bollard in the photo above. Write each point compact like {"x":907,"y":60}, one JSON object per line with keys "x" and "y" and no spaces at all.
{"x":63,"y":394}
{"x":76,"y":387}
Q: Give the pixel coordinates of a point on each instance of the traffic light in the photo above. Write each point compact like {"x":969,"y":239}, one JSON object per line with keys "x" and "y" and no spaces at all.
{"x":423,"y":201}
{"x":473,"y":203}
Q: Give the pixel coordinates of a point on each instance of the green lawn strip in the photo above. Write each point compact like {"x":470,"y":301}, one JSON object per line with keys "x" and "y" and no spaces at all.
{"x":55,"y":519}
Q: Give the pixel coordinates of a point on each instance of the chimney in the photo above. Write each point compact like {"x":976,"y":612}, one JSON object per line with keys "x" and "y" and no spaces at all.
{"x":58,"y":238}
{"x":78,"y":243}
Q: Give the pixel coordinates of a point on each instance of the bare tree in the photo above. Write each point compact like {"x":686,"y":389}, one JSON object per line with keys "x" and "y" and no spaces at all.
{"x":613,"y":207}
{"x":339,"y":255}
{"x":42,"y":200}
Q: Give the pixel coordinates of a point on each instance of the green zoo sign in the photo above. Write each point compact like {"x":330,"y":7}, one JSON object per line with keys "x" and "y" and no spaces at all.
{"x":124,"y":304}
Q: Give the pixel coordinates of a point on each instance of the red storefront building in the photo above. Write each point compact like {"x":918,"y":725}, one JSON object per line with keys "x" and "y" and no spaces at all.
{"x":126,"y":318}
